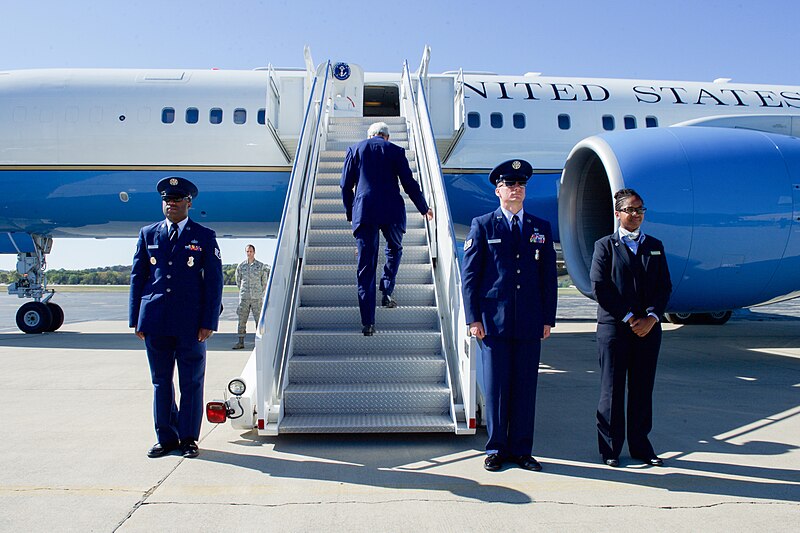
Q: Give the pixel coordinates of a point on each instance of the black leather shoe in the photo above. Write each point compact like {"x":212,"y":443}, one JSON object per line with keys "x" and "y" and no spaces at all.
{"x":159,"y":450}
{"x":612,"y":462}
{"x":189,"y":449}
{"x":368,"y":331}
{"x":652,"y":461}
{"x":388,"y":301}
{"x":528,"y":463}
{"x":493,"y":462}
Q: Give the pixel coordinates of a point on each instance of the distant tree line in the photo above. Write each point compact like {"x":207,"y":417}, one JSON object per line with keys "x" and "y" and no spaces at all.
{"x":113,"y":275}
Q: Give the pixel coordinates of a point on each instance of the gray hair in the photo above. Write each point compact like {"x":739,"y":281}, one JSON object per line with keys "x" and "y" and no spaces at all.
{"x":378,"y":128}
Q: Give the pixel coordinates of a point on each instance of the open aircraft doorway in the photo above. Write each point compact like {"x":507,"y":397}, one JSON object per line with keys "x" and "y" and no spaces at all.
{"x":381,"y":101}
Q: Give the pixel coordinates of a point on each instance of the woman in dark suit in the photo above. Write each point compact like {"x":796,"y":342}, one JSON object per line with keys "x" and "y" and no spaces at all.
{"x":632,"y":286}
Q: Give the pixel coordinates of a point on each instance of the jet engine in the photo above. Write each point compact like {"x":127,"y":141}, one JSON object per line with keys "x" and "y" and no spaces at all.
{"x":725,"y":202}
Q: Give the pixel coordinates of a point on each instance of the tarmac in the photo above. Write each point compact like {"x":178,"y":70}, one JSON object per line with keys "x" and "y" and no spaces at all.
{"x":78,"y":422}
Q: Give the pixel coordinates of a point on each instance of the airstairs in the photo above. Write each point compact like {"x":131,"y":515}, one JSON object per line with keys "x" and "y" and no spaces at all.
{"x":313,"y":370}
{"x":337,"y":379}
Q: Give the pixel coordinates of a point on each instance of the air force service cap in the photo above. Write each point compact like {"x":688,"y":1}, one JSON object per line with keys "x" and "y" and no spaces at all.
{"x":176,"y":187}
{"x":513,"y":169}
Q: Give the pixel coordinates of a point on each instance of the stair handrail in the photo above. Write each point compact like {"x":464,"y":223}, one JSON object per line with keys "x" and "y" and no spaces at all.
{"x":458,"y":344}
{"x":274,"y":327}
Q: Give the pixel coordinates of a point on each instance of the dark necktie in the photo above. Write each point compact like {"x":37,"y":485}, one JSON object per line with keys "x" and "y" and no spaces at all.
{"x":516,"y":233}
{"x":173,"y":233}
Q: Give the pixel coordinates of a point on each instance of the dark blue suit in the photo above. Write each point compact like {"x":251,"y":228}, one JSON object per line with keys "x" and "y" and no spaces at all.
{"x":376,"y":168}
{"x":626,"y":283}
{"x":176,"y":291}
{"x":512,"y":290}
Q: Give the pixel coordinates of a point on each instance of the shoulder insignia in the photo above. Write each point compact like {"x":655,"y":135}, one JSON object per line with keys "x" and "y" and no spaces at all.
{"x":218,"y":254}
{"x":467,"y":244}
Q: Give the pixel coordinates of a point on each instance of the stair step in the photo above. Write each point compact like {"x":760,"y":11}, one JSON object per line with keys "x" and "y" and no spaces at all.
{"x":347,"y":295}
{"x":335,"y":205}
{"x":338,"y":368}
{"x":346,"y":274}
{"x":410,"y":342}
{"x":344,"y":237}
{"x":339,"y":155}
{"x":334,"y":144}
{"x":346,"y":255}
{"x":366,"y":398}
{"x":377,"y":423}
{"x":348,"y":319}
{"x":367,"y":120}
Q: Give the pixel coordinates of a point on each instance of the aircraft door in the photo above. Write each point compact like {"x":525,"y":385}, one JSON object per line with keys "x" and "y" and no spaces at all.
{"x":348,"y":90}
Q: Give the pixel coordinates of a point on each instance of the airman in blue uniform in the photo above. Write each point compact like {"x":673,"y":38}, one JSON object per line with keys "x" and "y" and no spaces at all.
{"x":509,"y":287}
{"x":373,"y":168}
{"x":175,"y":302}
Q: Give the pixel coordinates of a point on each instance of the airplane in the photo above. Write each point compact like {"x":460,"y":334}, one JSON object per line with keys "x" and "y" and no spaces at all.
{"x":717,"y":163}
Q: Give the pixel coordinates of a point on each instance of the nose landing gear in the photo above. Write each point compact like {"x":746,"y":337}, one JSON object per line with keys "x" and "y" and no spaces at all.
{"x":40,"y":315}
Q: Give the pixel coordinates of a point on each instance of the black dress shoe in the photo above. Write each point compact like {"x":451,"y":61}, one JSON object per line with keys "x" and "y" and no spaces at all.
{"x":652,"y":461}
{"x":528,"y":463}
{"x":159,"y":450}
{"x":493,"y":462}
{"x":189,"y":449}
{"x":368,"y":331}
{"x":388,"y":301}
{"x":611,"y":461}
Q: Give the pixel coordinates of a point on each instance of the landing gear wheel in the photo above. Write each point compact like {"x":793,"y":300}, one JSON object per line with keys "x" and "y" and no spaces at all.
{"x":717,"y":318}
{"x":34,"y":317}
{"x":679,"y":318}
{"x":58,"y":316}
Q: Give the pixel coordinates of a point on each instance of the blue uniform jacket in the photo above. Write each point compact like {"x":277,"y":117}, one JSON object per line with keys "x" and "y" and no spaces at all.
{"x":373,"y":167}
{"x":618,"y":289}
{"x":513,"y":296}
{"x":176,"y":291}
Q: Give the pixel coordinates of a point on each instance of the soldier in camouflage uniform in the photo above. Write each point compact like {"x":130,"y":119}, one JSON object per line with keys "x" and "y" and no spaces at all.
{"x":251,"y":278}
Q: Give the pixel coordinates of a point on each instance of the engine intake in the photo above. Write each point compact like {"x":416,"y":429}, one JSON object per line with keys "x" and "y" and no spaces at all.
{"x":725,"y":202}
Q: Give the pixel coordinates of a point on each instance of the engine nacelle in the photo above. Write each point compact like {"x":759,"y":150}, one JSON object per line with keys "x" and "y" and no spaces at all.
{"x":725,"y":202}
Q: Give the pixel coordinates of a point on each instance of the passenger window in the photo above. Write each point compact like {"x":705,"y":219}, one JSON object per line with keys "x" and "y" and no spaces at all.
{"x":651,"y":122}
{"x":474,"y":119}
{"x":519,"y":121}
{"x":608,"y":122}
{"x":239,"y":116}
{"x":496,"y":120}
{"x":168,"y":115}
{"x":262,"y":116}
{"x":564,"y":122}
{"x":215,"y":116}
{"x":192,"y":115}
{"x":630,"y":122}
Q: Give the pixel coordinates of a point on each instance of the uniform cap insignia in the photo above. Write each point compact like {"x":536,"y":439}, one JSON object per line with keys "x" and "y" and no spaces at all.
{"x":173,"y":181}
{"x":515,"y":165}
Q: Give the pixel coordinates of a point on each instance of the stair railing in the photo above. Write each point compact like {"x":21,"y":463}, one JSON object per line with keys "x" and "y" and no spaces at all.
{"x":276,"y":323}
{"x":460,"y":349}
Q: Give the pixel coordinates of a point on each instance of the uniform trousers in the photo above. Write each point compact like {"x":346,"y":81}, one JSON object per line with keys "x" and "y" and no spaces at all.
{"x":247,"y":307}
{"x":175,"y":424}
{"x":367,"y":242}
{"x":510,"y":375}
{"x":626,"y":356}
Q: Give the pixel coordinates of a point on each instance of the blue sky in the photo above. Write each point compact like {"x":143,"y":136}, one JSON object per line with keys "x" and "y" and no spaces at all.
{"x":675,"y":40}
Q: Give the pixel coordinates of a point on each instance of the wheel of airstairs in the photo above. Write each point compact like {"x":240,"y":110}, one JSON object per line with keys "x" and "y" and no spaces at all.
{"x":338,"y":380}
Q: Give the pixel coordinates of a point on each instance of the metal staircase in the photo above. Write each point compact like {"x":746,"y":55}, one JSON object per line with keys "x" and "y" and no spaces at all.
{"x":338,"y":380}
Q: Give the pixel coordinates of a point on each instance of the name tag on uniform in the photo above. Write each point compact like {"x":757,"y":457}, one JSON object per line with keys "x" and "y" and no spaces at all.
{"x":494,"y":241}
{"x":655,"y":252}
{"x":152,"y":246}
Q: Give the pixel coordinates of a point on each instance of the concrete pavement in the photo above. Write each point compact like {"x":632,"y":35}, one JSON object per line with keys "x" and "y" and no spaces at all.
{"x":77,"y":422}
